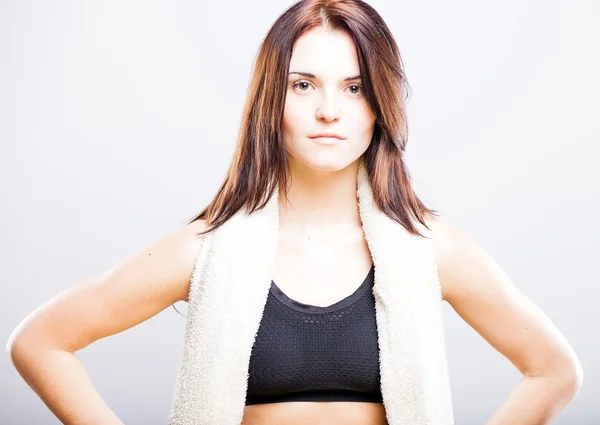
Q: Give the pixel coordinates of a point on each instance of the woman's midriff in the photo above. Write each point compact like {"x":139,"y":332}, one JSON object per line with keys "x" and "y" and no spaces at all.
{"x":315,"y":413}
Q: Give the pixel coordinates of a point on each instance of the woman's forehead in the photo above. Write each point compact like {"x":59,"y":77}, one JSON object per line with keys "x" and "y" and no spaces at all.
{"x":325,"y":54}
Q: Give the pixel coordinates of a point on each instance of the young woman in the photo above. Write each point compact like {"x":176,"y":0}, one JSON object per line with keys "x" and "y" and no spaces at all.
{"x":315,"y":276}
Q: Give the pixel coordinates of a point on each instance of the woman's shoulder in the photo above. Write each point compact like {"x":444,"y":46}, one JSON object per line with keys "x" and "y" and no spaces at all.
{"x":456,"y":253}
{"x":190,"y":239}
{"x":162,"y":269}
{"x":195,"y":227}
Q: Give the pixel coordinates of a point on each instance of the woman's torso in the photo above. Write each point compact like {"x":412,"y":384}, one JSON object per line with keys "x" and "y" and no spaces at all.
{"x":319,"y":270}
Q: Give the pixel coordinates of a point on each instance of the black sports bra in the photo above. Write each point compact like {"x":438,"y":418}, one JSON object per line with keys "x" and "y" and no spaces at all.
{"x":312,"y":353}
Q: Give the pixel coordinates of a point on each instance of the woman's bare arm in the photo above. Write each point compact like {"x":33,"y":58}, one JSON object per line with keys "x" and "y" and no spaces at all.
{"x":482,"y":293}
{"x":42,"y":347}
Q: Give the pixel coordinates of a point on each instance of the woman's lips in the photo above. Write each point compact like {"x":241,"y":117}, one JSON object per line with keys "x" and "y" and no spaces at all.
{"x":326,"y":141}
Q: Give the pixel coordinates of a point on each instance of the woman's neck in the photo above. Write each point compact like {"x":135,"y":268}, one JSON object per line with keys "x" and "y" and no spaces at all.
{"x":320,"y":200}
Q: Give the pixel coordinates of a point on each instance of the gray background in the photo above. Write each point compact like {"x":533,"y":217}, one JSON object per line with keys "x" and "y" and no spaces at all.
{"x":118,"y":120}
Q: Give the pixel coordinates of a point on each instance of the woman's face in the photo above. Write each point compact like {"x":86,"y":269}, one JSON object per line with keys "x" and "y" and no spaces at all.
{"x":325,"y":95}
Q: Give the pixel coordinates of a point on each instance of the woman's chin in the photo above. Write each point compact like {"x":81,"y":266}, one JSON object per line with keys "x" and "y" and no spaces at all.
{"x":325,"y":163}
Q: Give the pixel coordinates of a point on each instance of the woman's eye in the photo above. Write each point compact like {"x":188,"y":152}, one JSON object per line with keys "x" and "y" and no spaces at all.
{"x":303,"y":85}
{"x":357,"y":88}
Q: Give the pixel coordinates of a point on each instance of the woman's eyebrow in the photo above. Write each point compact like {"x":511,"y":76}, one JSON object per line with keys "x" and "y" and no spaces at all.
{"x":309,"y":75}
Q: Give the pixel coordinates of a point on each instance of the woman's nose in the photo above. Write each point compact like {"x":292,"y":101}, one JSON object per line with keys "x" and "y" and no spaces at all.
{"x":328,"y":108}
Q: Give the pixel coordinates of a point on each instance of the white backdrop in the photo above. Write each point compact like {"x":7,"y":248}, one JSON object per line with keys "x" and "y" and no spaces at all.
{"x":118,"y":120}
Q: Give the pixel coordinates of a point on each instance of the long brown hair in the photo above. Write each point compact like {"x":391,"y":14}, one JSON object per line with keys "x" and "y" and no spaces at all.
{"x":260,"y":160}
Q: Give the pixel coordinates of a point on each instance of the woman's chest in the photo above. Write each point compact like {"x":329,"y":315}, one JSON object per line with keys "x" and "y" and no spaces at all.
{"x":321,"y":270}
